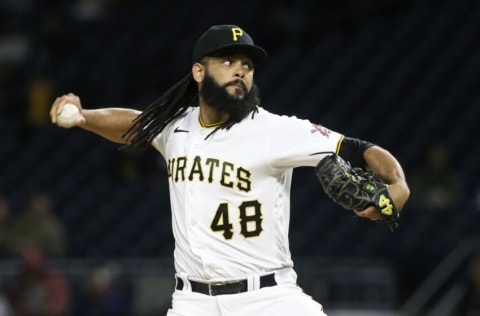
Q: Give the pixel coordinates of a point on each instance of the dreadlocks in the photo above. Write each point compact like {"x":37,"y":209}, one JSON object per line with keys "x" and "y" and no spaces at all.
{"x":172,"y":104}
{"x":184,"y":94}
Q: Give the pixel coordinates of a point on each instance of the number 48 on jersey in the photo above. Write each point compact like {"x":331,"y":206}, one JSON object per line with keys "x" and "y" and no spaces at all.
{"x":250,"y":219}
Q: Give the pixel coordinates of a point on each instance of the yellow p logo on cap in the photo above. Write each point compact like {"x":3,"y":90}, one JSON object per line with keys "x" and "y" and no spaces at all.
{"x":236,"y":32}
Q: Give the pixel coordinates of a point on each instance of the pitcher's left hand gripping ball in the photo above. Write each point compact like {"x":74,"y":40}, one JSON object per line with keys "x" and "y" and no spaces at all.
{"x":356,"y":189}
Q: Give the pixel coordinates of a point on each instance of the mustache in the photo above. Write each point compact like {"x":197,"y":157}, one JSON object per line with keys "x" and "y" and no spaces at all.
{"x":236,"y":82}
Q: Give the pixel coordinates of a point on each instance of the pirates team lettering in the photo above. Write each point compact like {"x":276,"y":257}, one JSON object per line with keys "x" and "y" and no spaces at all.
{"x":210,"y":169}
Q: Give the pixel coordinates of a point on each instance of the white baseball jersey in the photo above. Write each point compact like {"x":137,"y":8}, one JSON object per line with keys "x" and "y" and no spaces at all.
{"x":230,"y":192}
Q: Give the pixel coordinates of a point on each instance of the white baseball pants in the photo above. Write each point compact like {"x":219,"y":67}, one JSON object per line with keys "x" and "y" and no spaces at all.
{"x":280,"y":300}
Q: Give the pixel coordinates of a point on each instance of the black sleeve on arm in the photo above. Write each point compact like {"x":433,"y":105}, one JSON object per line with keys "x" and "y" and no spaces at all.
{"x":352,"y":149}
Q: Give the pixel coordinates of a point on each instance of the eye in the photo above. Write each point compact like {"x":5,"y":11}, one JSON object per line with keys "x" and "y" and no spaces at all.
{"x":227,"y":62}
{"x":248,"y":65}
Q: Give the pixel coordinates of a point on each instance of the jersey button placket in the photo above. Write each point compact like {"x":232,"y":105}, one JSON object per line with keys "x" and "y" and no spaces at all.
{"x":191,"y":199}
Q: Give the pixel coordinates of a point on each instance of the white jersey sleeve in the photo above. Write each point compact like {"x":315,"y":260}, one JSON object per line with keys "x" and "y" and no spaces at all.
{"x":295,"y":142}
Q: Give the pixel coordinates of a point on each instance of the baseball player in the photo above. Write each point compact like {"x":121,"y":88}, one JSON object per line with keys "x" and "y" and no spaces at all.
{"x":230,"y":166}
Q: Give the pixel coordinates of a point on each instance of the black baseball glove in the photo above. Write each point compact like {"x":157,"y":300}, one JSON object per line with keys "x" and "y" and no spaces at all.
{"x":355,"y":188}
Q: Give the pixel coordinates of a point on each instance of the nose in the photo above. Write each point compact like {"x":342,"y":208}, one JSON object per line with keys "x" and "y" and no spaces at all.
{"x":239,"y":70}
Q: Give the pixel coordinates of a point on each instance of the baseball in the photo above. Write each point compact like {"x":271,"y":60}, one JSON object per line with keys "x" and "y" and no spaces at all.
{"x":69,"y":114}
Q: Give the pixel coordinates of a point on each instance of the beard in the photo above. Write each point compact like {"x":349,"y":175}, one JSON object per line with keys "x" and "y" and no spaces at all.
{"x":238,"y":107}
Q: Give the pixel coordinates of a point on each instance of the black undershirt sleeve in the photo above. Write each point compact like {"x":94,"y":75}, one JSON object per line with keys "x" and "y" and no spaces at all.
{"x":352,"y":149}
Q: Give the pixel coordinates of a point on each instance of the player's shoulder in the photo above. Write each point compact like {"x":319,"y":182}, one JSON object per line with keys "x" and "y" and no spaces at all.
{"x":188,"y":117}
{"x":263,"y":113}
{"x":276,"y":117}
{"x":182,"y":122}
{"x":285,"y":122}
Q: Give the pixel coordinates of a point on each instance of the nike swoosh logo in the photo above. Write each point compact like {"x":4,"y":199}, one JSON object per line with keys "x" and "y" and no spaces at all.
{"x":178,"y":130}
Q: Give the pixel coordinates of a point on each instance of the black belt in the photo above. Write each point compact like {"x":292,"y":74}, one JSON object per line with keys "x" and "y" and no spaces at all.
{"x":230,"y":287}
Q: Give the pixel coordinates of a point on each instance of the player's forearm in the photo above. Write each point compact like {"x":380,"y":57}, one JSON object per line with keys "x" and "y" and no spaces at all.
{"x":390,"y":171}
{"x":110,"y":123}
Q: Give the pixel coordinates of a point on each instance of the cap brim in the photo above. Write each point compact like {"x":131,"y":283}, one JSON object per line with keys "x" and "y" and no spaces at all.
{"x":256,"y":53}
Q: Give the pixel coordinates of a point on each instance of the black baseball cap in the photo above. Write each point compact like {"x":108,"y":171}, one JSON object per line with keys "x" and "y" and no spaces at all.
{"x":220,"y":37}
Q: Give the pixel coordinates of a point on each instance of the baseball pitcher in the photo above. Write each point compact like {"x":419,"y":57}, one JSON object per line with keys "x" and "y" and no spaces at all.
{"x":230,"y":164}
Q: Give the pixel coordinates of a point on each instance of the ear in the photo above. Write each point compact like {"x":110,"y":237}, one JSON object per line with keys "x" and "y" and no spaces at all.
{"x":198,"y":72}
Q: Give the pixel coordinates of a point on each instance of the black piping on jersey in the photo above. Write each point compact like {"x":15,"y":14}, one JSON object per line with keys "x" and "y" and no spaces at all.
{"x":322,"y":153}
{"x":330,"y":152}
